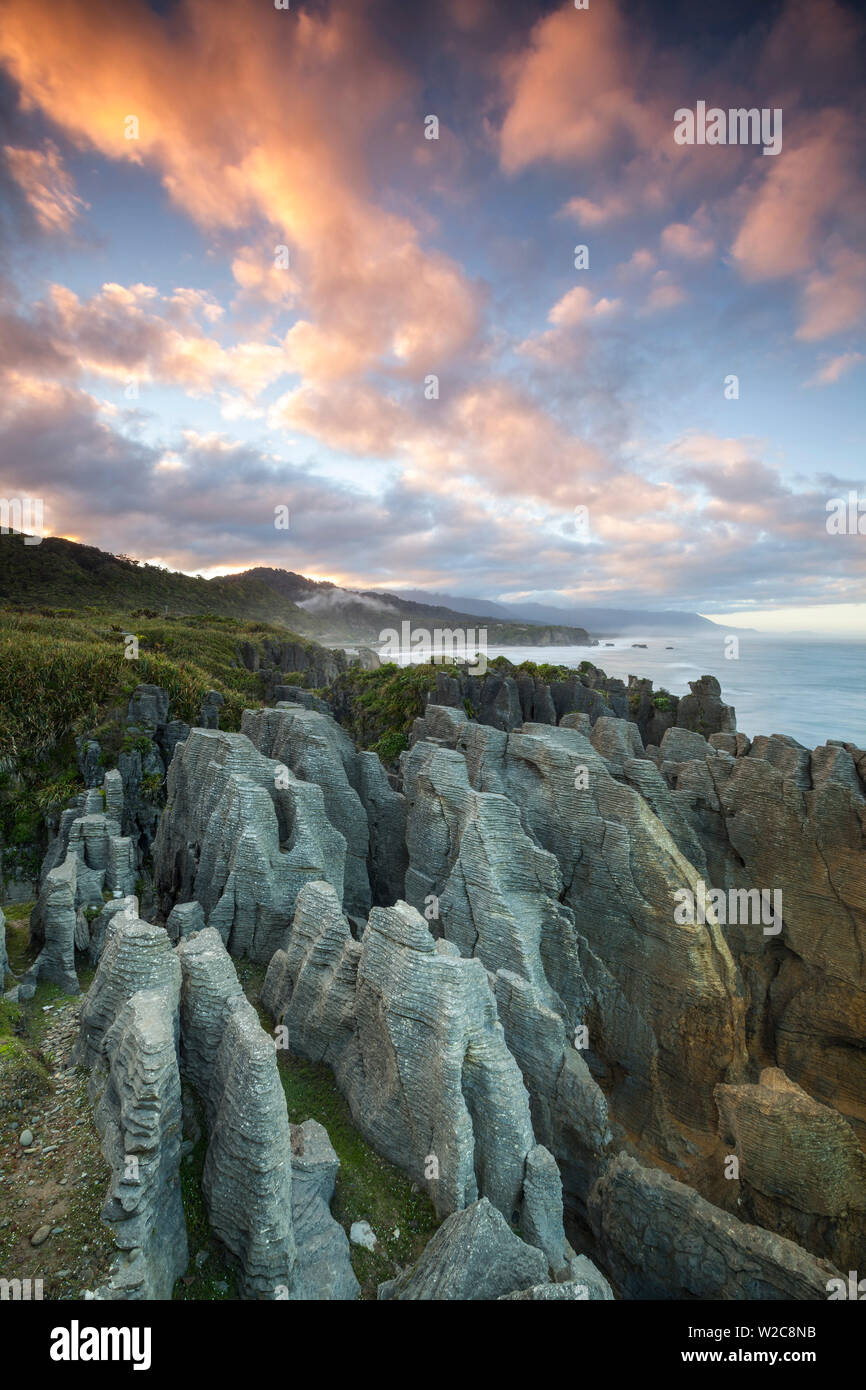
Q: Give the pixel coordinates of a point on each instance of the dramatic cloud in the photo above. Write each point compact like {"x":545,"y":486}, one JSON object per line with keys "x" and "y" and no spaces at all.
{"x":290,"y":295}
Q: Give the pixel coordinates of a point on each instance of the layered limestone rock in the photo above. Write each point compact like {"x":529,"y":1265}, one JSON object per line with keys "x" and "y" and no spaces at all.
{"x":241,"y":835}
{"x":773,"y":816}
{"x":247,"y":1180}
{"x":473,"y":1255}
{"x":135,"y":956}
{"x":317,"y":750}
{"x":507,"y":697}
{"x":594,"y":931}
{"x":230,"y":1060}
{"x":87,"y":858}
{"x":324,"y":1264}
{"x":358,"y":799}
{"x":411,"y":1031}
{"x":661,"y":1240}
{"x":128,"y":1040}
{"x":138,"y":1115}
{"x":801,"y":1170}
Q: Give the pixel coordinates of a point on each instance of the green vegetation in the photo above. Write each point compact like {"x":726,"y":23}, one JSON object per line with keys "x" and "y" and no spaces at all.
{"x":213,"y":1274}
{"x":379,"y":707}
{"x":67,"y":575}
{"x":663,"y":701}
{"x":368,"y":1187}
{"x":63,"y":674}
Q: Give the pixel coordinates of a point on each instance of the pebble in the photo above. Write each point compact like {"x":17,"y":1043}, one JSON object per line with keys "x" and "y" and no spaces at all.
{"x":26,"y":1138}
{"x":362,"y":1233}
{"x":39,"y":1237}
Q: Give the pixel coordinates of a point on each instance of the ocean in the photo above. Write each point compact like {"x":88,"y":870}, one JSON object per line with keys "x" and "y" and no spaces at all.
{"x":810,"y":688}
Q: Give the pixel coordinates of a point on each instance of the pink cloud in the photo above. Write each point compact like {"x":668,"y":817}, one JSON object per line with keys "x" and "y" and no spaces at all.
{"x":48,"y":187}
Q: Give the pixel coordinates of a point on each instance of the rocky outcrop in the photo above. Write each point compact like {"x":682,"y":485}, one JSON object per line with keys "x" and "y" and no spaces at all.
{"x":771,"y":815}
{"x":88,"y":858}
{"x":284,"y":1236}
{"x":411,"y":1031}
{"x":318,"y":751}
{"x":241,"y":835}
{"x":135,"y":956}
{"x":508,"y":696}
{"x":138,"y":1115}
{"x":247,"y":1181}
{"x":473,"y":1255}
{"x":281,"y":663}
{"x":359,"y":800}
{"x":661,"y":1240}
{"x":128,"y":1040}
{"x":801,"y":1171}
{"x":324,"y":1265}
{"x":549,"y":863}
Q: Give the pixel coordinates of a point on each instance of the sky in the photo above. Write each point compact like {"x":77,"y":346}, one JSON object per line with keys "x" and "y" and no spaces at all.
{"x":239,"y":282}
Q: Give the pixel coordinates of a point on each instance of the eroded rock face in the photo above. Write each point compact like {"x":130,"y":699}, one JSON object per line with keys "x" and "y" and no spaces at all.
{"x":135,"y":956}
{"x":231,"y":1062}
{"x":771,"y":815}
{"x":359,"y":800}
{"x":136,"y":1087}
{"x":473,"y":1255}
{"x":318,"y":751}
{"x":241,"y":835}
{"x":247,"y":1180}
{"x":661,"y":1240}
{"x":411,"y":1031}
{"x":324,"y":1264}
{"x":87,"y":858}
{"x":801,"y":1170}
{"x":128,"y":1040}
{"x":590,"y":923}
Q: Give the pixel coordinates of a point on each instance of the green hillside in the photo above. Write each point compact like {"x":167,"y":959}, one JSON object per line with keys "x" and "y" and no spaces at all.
{"x":61,"y":573}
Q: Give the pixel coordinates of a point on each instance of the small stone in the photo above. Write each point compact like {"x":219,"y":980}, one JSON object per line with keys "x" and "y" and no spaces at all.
{"x":39,"y":1237}
{"x":361,"y":1233}
{"x":200,"y":1258}
{"x":26,"y":1138}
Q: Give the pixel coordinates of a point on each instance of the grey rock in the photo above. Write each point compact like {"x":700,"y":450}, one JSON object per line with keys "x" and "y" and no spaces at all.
{"x":241,"y":835}
{"x":185,"y":919}
{"x":247,"y":1180}
{"x":135,"y":956}
{"x":127,"y":905}
{"x":89,"y":761}
{"x":324,"y":1263}
{"x":148,"y":709}
{"x":231,"y":1061}
{"x":209,"y":714}
{"x":138,"y":1115}
{"x":473,"y":1255}
{"x":661,"y":1240}
{"x":585,"y":1283}
{"x":416,"y":1046}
